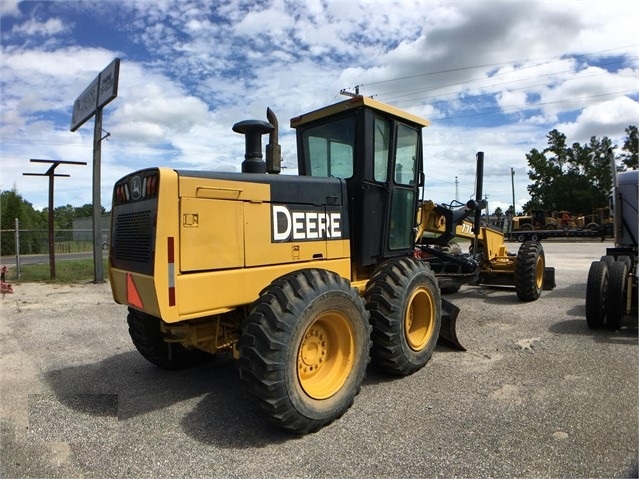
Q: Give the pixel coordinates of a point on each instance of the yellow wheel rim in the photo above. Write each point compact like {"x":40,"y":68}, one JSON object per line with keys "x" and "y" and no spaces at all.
{"x":325,"y":356}
{"x":419,"y":319}
{"x":539,"y":271}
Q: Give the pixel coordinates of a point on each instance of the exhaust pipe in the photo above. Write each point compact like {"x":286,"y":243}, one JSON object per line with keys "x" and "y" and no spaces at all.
{"x":273,"y":149}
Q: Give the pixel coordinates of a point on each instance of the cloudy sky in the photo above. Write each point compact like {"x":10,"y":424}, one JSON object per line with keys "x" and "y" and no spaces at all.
{"x":491,"y":76}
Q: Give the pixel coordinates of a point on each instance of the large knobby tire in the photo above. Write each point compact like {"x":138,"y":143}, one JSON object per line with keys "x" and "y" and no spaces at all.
{"x":596,"y":292}
{"x":148,"y":339}
{"x":405,"y":305}
{"x":304,"y":349}
{"x":529,"y":271}
{"x":616,"y":294}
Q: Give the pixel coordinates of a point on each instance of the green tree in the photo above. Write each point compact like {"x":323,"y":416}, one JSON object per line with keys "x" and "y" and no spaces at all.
{"x":576,"y":178}
{"x":630,"y":156}
{"x":13,"y":206}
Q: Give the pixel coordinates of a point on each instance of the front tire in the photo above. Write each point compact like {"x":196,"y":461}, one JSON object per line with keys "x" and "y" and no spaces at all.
{"x":304,"y":349}
{"x":405,"y":305}
{"x":148,"y":339}
{"x":596,"y":292}
{"x":529,"y":271}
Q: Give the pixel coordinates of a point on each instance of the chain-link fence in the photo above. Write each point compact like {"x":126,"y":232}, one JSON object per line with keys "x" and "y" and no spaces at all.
{"x":28,"y":242}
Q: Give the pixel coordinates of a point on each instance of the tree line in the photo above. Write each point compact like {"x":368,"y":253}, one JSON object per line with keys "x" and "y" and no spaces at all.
{"x":576,"y":178}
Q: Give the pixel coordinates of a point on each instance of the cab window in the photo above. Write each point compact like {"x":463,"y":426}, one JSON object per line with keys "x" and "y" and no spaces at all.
{"x":330,"y":148}
{"x":406,"y":155}
{"x":382,"y":147}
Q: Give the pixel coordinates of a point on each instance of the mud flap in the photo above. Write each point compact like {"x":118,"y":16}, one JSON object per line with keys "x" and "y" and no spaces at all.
{"x":448,"y":331}
{"x":549,"y":278}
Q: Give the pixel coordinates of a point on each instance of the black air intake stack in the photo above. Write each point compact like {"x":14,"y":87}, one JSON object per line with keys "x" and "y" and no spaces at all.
{"x":253,"y":131}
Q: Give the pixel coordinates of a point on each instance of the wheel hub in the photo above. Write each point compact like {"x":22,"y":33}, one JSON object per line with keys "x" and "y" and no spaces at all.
{"x":313,"y":352}
{"x":418,"y":320}
{"x":325,"y":355}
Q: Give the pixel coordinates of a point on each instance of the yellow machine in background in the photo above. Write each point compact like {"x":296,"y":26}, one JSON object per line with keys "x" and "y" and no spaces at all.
{"x":304,"y":278}
{"x":487,"y":260}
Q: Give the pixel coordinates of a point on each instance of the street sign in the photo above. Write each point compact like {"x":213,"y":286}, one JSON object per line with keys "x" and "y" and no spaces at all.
{"x":100,"y":91}
{"x":91,"y":102}
{"x":85,"y":105}
{"x":108,"y":87}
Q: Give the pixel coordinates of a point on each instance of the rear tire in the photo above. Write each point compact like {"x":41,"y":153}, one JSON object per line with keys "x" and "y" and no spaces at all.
{"x":608,"y":259}
{"x":529,"y":271}
{"x":304,"y":349}
{"x":148,"y":339}
{"x":596,"y":292}
{"x":616,"y":294}
{"x":405,"y":305}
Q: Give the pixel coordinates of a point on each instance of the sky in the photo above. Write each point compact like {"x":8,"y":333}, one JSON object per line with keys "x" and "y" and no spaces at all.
{"x":491,"y":76}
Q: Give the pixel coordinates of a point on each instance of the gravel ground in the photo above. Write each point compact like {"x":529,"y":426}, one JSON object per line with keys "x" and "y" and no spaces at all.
{"x":537,"y":394}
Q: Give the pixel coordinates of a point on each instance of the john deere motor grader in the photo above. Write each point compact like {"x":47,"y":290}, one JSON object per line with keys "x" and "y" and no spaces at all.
{"x":304,"y":278}
{"x":488,"y":261}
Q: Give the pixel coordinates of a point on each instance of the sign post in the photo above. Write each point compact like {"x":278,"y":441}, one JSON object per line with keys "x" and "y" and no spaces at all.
{"x":100,"y":91}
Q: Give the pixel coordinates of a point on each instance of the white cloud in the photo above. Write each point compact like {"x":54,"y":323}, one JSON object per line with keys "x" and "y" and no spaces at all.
{"x":192,"y":68}
{"x":9,"y":8}
{"x":608,"y":118}
{"x":32,"y":27}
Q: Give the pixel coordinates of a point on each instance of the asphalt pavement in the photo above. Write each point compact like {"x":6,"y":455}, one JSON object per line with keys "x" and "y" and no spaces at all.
{"x":537,"y":394}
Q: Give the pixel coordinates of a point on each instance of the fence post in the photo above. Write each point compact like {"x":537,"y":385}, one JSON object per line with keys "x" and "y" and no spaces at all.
{"x":18,"y":247}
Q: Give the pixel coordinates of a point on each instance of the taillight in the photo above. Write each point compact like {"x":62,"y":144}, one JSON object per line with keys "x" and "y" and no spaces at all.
{"x":137,"y":187}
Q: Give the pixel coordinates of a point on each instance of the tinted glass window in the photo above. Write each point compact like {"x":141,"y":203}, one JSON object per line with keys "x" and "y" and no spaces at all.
{"x":406,"y":155}
{"x":330,"y":148}
{"x":382,"y":145}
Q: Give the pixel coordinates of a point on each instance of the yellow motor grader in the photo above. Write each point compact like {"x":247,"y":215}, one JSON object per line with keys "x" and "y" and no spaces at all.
{"x":488,"y":260}
{"x":304,"y":278}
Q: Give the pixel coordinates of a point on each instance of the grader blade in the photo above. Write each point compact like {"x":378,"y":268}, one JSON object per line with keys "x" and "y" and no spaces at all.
{"x":448,"y":331}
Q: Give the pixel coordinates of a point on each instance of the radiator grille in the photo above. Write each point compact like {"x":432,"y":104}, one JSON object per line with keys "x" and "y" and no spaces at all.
{"x":133,"y":234}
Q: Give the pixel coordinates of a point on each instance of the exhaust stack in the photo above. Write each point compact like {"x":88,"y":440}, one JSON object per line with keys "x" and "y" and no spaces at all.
{"x":273,"y":149}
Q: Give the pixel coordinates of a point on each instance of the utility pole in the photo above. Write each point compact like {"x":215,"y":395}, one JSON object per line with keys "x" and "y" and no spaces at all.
{"x":51,"y":174}
{"x":512,"y":180}
{"x":487,"y":209}
{"x":456,"y":189}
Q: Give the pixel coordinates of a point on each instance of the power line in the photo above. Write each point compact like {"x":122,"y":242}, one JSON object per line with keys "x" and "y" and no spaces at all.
{"x":546,"y":60}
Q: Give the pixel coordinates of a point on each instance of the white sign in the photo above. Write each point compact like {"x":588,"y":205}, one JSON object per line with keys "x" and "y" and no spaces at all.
{"x":85,"y":105}
{"x":101,"y":91}
{"x":108,"y":87}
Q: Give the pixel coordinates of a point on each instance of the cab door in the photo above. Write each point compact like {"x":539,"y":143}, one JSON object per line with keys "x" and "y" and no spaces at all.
{"x":404,"y":187}
{"x":389,"y":192}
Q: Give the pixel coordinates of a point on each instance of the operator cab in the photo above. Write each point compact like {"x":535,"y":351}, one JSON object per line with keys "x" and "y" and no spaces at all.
{"x":377,"y":150}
